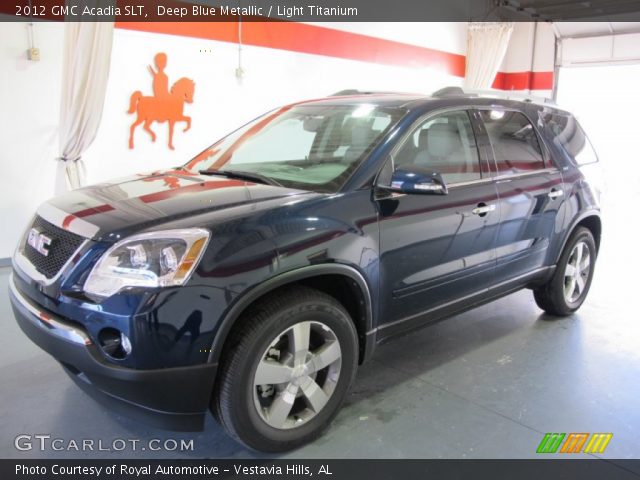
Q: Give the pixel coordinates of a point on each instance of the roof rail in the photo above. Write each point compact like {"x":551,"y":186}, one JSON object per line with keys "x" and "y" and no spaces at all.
{"x":345,"y":92}
{"x":449,"y":92}
{"x":503,"y":94}
{"x":511,"y":95}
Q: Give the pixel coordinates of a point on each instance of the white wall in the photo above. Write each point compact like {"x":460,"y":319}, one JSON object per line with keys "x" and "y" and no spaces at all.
{"x":521,"y":56}
{"x":606,"y":100}
{"x":605,"y":49}
{"x":29,"y":106}
{"x":609,"y":116}
{"x":273,"y":77}
{"x":445,"y":36}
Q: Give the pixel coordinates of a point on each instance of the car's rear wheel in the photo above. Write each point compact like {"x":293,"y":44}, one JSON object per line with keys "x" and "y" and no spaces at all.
{"x":567,"y":289}
{"x":286,"y":370}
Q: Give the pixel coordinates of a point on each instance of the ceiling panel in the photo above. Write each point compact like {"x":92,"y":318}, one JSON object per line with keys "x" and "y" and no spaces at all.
{"x":590,"y":29}
{"x":567,"y":10}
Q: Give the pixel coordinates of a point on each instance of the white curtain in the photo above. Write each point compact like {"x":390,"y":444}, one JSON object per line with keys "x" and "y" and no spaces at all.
{"x":486,"y":45}
{"x":87,"y":55}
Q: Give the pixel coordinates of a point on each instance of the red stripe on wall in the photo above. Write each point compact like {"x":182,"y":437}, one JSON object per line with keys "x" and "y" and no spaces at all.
{"x":312,"y":39}
{"x":524,"y":81}
{"x":316,"y":40}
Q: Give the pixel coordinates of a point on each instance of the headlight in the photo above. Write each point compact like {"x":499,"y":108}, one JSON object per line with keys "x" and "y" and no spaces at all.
{"x":156,"y":259}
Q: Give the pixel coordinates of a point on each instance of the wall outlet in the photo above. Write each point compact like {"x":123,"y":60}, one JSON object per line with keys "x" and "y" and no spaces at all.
{"x":33,"y":54}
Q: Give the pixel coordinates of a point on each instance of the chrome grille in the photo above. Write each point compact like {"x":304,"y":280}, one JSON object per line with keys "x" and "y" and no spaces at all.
{"x":63,"y":246}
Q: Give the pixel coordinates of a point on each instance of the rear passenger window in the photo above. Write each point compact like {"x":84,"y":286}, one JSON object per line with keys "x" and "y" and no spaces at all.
{"x":445,"y":144}
{"x":514,"y":141}
{"x":568,"y":135}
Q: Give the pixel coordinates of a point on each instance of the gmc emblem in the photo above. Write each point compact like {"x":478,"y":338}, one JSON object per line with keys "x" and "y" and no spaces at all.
{"x":39,"y":241}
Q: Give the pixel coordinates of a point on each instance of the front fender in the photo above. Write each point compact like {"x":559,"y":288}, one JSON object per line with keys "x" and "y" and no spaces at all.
{"x":231,"y":316}
{"x":332,"y":235}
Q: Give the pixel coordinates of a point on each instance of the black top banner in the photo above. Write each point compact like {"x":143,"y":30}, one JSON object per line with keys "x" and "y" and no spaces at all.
{"x":317,"y":10}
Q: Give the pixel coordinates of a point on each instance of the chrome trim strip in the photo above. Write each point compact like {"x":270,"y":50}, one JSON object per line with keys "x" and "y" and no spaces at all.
{"x":53,"y":325}
{"x":27,"y":267}
{"x":76,"y":225}
{"x":503,"y":178}
{"x":509,"y":176}
{"x":470,"y":182}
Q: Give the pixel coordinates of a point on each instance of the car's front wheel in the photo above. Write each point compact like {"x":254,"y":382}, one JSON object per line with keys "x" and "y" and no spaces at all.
{"x":286,"y":370}
{"x":567,"y":289}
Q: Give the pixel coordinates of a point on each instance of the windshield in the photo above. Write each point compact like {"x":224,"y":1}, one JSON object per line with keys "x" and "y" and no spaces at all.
{"x":310,"y":147}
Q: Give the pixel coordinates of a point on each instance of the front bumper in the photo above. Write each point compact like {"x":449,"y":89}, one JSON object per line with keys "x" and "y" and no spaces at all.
{"x":172,"y":398}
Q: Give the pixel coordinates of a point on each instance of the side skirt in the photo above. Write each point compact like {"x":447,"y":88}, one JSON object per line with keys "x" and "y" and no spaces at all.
{"x":400,"y":327}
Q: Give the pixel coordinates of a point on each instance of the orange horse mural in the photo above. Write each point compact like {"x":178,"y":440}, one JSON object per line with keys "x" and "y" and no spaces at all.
{"x":163,"y":106}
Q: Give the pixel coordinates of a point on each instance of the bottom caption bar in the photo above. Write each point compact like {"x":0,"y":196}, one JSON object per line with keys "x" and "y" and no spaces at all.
{"x":321,"y":469}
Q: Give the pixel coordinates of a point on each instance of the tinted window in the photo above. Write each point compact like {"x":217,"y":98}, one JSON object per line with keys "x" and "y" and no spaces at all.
{"x":444,"y":144}
{"x":567,"y":134}
{"x":515,"y":143}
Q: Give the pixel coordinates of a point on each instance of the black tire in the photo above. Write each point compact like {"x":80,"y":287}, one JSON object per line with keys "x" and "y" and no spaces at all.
{"x":233,"y":399}
{"x":551,"y":296}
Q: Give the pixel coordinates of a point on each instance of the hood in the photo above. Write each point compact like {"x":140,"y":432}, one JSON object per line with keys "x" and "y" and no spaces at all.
{"x":124,"y":206}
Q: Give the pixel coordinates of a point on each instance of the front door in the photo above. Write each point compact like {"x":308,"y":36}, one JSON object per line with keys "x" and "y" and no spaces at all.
{"x":437,"y":249}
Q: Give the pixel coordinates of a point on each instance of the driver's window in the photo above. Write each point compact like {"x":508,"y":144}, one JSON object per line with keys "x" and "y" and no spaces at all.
{"x":445,"y":144}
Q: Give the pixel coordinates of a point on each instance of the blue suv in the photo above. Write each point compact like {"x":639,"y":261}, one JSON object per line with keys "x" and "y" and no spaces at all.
{"x":254,"y":279}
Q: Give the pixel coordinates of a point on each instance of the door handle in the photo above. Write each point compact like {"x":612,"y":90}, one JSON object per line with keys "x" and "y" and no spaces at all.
{"x":482,"y":209}
{"x":555,"y":193}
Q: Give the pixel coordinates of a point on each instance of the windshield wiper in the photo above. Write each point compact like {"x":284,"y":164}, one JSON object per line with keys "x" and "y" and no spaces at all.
{"x":242,"y":175}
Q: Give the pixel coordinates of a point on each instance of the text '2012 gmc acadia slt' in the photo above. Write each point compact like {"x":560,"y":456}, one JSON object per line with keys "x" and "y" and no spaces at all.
{"x":254,"y":279}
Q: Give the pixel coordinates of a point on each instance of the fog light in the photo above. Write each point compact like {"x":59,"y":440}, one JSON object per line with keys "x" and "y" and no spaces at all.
{"x":114,"y":343}
{"x":125,"y":343}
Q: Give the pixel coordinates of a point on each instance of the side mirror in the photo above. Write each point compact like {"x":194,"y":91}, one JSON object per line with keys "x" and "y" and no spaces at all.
{"x":416,"y":182}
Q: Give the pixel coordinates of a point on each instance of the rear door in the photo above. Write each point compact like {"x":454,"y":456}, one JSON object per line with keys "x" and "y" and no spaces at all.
{"x":530,"y":192}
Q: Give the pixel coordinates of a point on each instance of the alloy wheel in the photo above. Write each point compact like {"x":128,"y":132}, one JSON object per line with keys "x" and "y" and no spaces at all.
{"x":576,"y":273}
{"x":297,"y":375}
